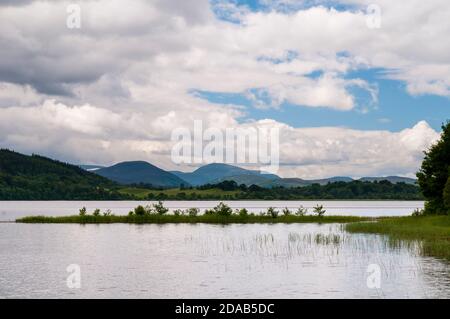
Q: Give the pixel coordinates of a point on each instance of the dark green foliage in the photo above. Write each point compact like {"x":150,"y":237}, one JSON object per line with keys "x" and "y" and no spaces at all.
{"x":193,"y":212}
{"x":272,"y":212}
{"x":140,"y":211}
{"x":243,"y":212}
{"x":447,"y":195}
{"x":340,"y":190}
{"x":225,"y":186}
{"x":434,"y":173}
{"x":160,"y":209}
{"x":222,"y":210}
{"x":38,"y":178}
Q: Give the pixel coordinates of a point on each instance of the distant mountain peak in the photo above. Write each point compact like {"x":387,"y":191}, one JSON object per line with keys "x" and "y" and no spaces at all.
{"x":140,"y":172}
{"x":216,"y":172}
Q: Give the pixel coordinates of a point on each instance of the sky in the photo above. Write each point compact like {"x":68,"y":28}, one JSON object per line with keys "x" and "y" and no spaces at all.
{"x":356,"y":88}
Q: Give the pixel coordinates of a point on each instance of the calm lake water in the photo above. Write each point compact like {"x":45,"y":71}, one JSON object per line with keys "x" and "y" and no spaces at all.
{"x":212,"y":261}
{"x":10,"y":210}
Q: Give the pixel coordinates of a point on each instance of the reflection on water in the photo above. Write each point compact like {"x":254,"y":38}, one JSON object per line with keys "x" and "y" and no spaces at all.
{"x":212,"y":261}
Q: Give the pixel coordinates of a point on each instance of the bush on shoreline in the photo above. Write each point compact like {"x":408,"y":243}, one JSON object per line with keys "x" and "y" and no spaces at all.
{"x":222,"y":213}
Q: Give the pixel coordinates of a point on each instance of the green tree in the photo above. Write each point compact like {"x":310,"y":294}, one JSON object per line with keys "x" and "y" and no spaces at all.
{"x":447,"y":195}
{"x":160,"y":209}
{"x":434,"y":173}
{"x":223,"y":210}
{"x":243,"y":212}
{"x":139,"y":211}
{"x":193,"y":212}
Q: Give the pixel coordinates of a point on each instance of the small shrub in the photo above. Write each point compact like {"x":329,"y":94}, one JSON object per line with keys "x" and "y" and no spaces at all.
{"x":319,"y":211}
{"x":223,"y":210}
{"x":178,"y":212}
{"x":286,"y":212}
{"x":301,"y":211}
{"x":96,"y":212}
{"x":140,"y":211}
{"x":209,"y":212}
{"x":130,"y":213}
{"x":107,"y":213}
{"x":272,"y":212}
{"x":83,"y":211}
{"x":193,"y":212}
{"x":160,"y":209}
{"x":243,"y":212}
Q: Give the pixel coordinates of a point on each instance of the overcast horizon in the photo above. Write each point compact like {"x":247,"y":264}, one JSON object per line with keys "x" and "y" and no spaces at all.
{"x":355,"y":90}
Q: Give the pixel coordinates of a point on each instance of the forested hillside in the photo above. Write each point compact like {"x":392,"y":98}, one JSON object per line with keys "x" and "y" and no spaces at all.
{"x":38,"y":178}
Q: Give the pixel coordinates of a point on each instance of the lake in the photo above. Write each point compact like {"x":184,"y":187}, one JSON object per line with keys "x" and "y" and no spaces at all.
{"x":10,"y":210}
{"x":212,"y":261}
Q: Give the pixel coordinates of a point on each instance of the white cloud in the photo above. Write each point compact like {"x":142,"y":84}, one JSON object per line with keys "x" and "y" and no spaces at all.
{"x":89,"y":134}
{"x":123,"y":81}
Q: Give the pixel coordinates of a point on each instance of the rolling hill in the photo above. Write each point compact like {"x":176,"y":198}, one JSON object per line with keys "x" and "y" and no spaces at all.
{"x":140,"y":172}
{"x":216,"y":172}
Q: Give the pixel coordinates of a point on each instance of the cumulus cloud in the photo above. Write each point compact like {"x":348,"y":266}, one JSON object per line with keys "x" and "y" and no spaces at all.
{"x":114,"y":89}
{"x":91,"y":134}
{"x":340,"y":151}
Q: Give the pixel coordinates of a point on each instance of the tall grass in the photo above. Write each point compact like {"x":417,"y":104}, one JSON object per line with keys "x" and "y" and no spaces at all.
{"x":432,"y":231}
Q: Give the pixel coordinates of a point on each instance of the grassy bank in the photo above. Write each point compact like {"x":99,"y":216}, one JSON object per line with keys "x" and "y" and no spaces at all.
{"x":209,"y":219}
{"x":433,"y":231}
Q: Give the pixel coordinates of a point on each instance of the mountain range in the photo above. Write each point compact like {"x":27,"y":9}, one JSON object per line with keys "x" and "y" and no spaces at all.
{"x":215,"y":173}
{"x":24,"y":177}
{"x":139,"y":172}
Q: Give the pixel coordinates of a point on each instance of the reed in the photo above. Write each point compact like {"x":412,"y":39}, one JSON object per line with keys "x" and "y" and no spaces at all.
{"x":432,"y":231}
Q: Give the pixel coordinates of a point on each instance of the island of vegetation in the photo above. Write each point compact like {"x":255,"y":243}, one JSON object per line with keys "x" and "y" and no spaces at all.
{"x":221,"y":214}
